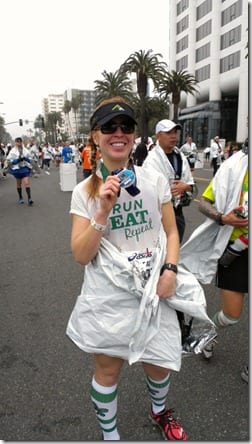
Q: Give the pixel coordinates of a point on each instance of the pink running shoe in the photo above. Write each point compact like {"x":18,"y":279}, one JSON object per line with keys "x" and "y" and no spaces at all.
{"x":171,"y":429}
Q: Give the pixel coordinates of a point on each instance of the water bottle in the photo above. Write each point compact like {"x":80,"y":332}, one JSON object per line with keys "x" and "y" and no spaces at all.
{"x":175,"y":199}
{"x":234,"y":250}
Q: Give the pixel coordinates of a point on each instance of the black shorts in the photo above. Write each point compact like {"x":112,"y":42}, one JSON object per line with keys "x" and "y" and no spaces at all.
{"x":234,"y":277}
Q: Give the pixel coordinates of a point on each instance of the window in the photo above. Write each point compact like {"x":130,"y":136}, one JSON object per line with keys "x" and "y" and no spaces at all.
{"x":202,"y":73}
{"x":230,"y":62}
{"x":203,"y":30}
{"x":182,"y":5}
{"x":231,"y":13}
{"x":182,"y":63}
{"x":203,"y":9}
{"x":231,"y":37}
{"x":182,"y":44}
{"x":203,"y":52}
{"x":183,"y":24}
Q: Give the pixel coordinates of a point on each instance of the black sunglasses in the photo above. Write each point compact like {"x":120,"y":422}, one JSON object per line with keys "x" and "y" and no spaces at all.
{"x":112,"y":127}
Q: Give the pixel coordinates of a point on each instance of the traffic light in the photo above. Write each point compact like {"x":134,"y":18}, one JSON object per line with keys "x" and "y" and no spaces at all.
{"x":20,"y":122}
{"x":42,"y":122}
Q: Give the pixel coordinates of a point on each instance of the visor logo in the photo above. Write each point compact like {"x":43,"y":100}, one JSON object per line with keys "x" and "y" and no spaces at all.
{"x":118,"y":108}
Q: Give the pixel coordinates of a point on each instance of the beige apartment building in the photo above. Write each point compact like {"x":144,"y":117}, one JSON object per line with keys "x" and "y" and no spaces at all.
{"x":209,"y":39}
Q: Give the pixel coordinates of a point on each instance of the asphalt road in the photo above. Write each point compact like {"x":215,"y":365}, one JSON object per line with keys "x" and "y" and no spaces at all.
{"x":45,"y":378}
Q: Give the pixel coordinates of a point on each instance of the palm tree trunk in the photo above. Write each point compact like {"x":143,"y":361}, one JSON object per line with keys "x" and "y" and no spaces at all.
{"x":175,"y":113}
{"x":143,"y":123}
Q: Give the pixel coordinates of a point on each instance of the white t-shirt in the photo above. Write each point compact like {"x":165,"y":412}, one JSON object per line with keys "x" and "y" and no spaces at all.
{"x":134,"y":222}
{"x":189,"y":148}
{"x":112,"y":315}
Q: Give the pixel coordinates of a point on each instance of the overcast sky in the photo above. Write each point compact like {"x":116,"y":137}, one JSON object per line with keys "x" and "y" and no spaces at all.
{"x":50,"y":45}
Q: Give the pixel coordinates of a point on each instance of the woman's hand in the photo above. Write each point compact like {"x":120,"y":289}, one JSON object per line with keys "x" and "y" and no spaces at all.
{"x":166,"y":284}
{"x":108,"y":194}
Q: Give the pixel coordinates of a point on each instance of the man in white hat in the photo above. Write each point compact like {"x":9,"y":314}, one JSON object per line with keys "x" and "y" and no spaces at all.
{"x":168,"y":160}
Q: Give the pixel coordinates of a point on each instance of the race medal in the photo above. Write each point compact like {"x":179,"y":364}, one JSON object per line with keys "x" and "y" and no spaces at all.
{"x":127,"y":180}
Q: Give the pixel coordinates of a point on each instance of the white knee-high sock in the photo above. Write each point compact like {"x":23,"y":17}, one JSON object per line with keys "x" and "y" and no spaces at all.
{"x":158,"y":391}
{"x":105,"y":403}
{"x":223,"y":320}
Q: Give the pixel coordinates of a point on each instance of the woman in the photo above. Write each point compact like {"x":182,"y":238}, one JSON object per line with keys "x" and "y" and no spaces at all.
{"x":19,"y":162}
{"x":124,"y":236}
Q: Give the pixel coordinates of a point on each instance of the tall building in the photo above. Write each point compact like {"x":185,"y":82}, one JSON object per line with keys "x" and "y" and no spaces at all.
{"x":209,"y":38}
{"x":77,"y":121}
{"x":53,"y":103}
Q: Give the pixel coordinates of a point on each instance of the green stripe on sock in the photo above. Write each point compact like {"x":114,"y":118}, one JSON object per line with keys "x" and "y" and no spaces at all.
{"x":102,"y":397}
{"x":157,"y":384}
{"x":159,"y":399}
{"x":157,"y":403}
{"x":230,"y":318}
{"x":109,"y":430}
{"x":107,"y":421}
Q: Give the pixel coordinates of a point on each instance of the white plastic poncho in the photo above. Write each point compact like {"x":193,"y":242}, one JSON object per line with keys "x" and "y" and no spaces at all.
{"x":158,"y":161}
{"x":118,"y":316}
{"x":201,"y":252}
{"x":14,"y":154}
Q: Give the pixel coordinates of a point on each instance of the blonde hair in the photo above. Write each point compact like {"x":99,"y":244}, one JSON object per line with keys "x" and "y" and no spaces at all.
{"x":93,"y":185}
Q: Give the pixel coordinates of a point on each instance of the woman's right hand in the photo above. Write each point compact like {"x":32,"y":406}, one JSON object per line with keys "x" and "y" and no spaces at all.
{"x":108,"y":194}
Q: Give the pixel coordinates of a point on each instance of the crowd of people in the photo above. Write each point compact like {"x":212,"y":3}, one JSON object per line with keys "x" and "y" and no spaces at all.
{"x":217,"y":152}
{"x":26,"y":158}
{"x":214,"y":154}
{"x":42,"y":154}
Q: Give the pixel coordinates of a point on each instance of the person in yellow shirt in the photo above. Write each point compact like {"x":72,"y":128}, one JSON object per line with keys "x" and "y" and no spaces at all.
{"x":219,"y":247}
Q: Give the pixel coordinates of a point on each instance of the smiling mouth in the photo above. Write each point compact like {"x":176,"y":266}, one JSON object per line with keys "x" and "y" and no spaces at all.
{"x":118,"y":144}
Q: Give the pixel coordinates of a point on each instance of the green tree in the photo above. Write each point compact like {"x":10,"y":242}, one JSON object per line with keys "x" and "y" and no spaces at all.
{"x":39,"y":127}
{"x":4,"y":136}
{"x":52,"y":121}
{"x":75,"y":104}
{"x":113,"y":84}
{"x":38,"y":122}
{"x":173,"y":83}
{"x":146,"y":66}
{"x":155,"y":110}
{"x":66,"y":110}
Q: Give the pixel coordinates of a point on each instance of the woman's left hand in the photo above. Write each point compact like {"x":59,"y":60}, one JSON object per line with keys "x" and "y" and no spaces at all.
{"x":166,"y":284}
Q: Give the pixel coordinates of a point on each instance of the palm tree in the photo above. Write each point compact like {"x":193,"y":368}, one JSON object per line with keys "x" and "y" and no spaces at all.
{"x":146,"y":66}
{"x":155,"y":109}
{"x":174,"y":83}
{"x":66,"y":110}
{"x":53,"y":119}
{"x":3,"y":134}
{"x":75,"y":104}
{"x":114,"y":84}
